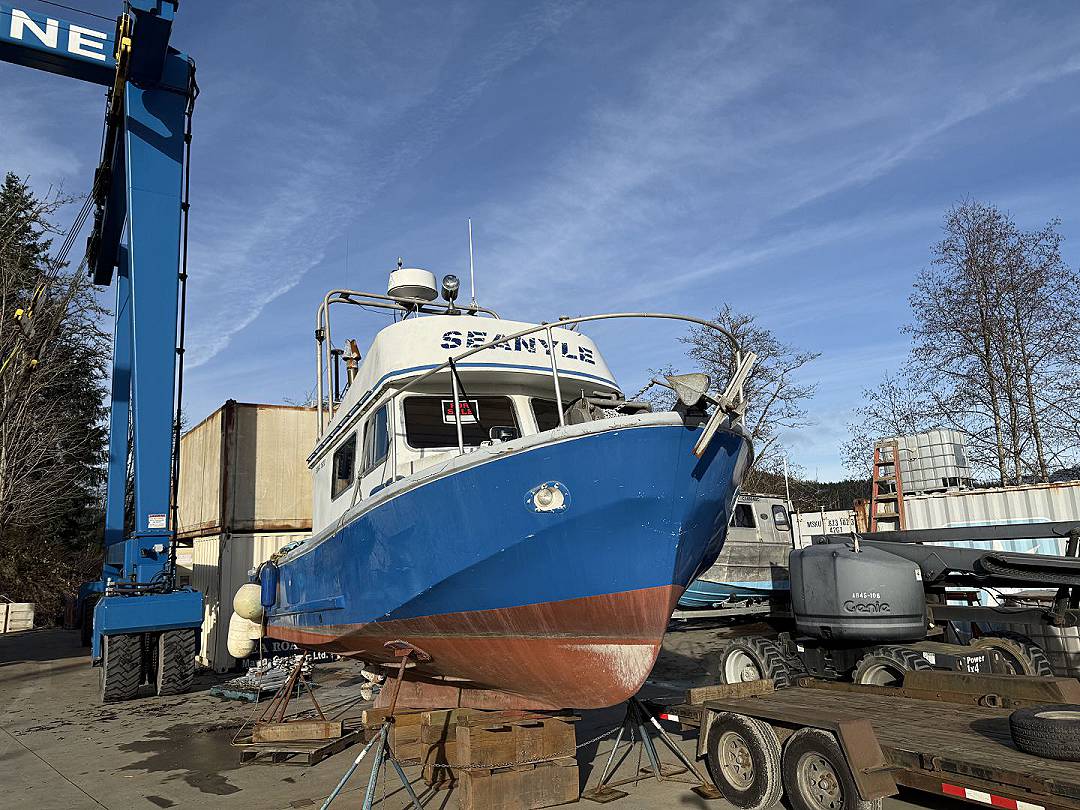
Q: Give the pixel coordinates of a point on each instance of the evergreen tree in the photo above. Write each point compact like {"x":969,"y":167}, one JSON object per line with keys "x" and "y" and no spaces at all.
{"x":54,"y":357}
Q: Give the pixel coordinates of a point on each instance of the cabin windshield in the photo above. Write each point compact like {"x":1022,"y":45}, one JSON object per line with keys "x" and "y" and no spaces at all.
{"x":430,"y":420}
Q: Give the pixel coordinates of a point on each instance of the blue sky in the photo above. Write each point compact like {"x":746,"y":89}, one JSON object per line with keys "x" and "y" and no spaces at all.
{"x":792,"y":159}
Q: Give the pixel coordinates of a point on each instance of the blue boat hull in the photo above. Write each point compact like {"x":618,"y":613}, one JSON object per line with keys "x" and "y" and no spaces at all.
{"x":703,"y":594}
{"x":516,"y":600}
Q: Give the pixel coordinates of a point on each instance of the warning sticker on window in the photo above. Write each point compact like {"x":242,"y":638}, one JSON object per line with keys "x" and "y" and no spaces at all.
{"x":468,"y":408}
{"x":155,"y":521}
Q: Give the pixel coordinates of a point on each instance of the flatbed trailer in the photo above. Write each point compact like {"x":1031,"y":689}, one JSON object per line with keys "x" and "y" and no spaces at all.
{"x":840,"y":746}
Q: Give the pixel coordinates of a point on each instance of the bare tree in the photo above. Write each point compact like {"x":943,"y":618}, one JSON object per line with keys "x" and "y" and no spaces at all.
{"x":894,"y":408}
{"x":995,"y":332}
{"x":775,"y":397}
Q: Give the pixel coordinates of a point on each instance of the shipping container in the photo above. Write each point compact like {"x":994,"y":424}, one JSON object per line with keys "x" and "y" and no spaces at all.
{"x":244,"y":469}
{"x":220,"y":565}
{"x":1029,"y":503}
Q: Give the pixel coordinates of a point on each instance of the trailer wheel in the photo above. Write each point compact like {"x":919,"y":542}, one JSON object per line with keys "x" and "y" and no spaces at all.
{"x":743,"y":758}
{"x":816,"y":775}
{"x":885,"y":666}
{"x":1022,"y":655}
{"x":1048,"y":731}
{"x":754,"y":659}
{"x":175,"y":661}
{"x":121,"y":667}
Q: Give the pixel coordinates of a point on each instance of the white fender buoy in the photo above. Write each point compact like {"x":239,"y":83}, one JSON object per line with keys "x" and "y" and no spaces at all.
{"x":241,"y":644}
{"x":248,"y":602}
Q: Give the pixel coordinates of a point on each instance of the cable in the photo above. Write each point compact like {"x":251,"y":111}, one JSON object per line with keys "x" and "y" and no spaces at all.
{"x":78,"y":10}
{"x":193,"y":94}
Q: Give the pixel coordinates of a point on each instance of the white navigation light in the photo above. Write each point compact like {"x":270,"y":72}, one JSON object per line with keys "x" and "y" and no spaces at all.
{"x":414,"y":283}
{"x":450,"y":286}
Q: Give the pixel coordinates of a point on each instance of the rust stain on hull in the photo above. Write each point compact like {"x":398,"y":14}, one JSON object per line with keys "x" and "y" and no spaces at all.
{"x":583,"y":653}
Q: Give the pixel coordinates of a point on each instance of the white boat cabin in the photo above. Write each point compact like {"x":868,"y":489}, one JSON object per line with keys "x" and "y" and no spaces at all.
{"x":395,"y":417}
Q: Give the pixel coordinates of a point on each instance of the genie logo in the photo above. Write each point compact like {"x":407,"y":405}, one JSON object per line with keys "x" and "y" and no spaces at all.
{"x":58,"y":36}
{"x":866,"y":602}
{"x":455,"y":339}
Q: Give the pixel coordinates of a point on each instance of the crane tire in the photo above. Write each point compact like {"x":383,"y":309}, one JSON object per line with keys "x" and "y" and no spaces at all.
{"x":121,"y":667}
{"x":176,"y":661}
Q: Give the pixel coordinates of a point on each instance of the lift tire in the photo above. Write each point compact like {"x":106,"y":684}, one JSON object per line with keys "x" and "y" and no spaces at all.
{"x":1022,"y":655}
{"x":175,"y":661}
{"x":753,"y":659}
{"x":885,"y":666}
{"x":121,"y":667}
{"x":1048,"y":731}
{"x":816,"y":774}
{"x":743,"y":758}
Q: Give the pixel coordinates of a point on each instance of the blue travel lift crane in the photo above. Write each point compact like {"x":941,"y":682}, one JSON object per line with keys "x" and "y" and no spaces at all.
{"x":145,"y":629}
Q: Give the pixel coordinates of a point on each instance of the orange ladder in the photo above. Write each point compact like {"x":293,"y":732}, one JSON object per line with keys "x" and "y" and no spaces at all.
{"x":887,"y":493}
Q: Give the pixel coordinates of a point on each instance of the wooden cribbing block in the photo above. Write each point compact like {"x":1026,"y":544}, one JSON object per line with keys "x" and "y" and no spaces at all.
{"x":545,"y":785}
{"x":517,"y":741}
{"x":296,"y":730}
{"x":375,"y":717}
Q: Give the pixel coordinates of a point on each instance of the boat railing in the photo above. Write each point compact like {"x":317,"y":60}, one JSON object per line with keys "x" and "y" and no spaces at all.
{"x":325,"y":400}
{"x":731,"y":401}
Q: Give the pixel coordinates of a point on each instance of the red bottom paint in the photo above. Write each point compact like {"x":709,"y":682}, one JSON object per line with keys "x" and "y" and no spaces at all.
{"x":579,"y":653}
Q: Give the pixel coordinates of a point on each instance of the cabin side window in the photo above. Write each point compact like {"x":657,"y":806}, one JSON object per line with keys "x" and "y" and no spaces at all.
{"x":343,"y":466}
{"x":743,"y":518}
{"x":780,"y":517}
{"x":430,"y":422}
{"x":546,"y":414}
{"x":377,"y":438}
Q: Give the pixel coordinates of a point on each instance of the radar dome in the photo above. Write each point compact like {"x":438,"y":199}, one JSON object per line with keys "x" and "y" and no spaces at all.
{"x":412,"y":282}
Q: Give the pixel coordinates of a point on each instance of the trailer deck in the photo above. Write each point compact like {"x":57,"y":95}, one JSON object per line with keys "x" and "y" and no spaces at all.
{"x":942,"y":740}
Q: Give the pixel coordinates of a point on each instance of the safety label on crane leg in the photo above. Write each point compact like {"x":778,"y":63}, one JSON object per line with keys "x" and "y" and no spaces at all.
{"x":155,"y":521}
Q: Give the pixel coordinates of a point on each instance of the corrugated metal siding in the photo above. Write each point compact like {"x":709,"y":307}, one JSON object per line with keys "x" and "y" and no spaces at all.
{"x":243,"y":469}
{"x":220,"y":565}
{"x":1034,"y":503}
{"x":199,"y":494}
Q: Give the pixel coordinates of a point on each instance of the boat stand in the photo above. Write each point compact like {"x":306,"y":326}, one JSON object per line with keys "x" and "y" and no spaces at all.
{"x":636,"y":725}
{"x":381,"y":742}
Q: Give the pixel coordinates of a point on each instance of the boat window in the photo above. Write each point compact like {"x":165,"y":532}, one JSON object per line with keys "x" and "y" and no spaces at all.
{"x":344,"y":464}
{"x":546,"y":414}
{"x":780,"y":517}
{"x":743,"y":517}
{"x":430,"y":421}
{"x":377,"y":438}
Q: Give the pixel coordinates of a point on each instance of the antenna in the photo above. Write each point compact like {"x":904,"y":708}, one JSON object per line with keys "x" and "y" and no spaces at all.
{"x":472,"y":278}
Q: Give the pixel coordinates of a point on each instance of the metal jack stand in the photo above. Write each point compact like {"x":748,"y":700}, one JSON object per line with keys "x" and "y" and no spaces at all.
{"x":383,"y":752}
{"x":637,"y":722}
{"x":274,"y":711}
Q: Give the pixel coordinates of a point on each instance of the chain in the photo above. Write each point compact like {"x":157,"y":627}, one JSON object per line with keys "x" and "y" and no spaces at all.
{"x":527,"y":761}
